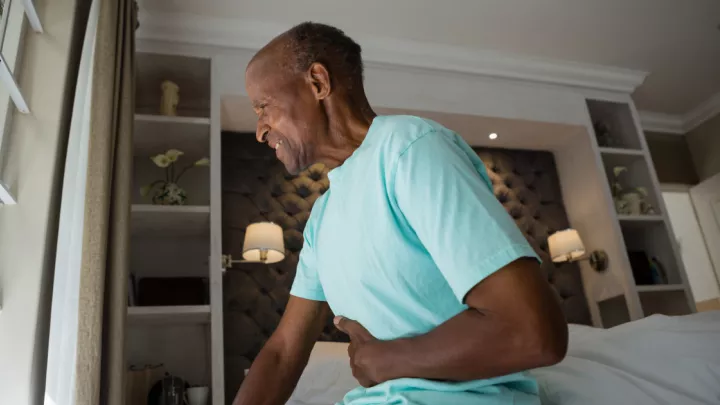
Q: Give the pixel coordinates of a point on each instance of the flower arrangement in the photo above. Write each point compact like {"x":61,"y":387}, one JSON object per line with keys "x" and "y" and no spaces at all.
{"x":629,"y":200}
{"x":167,"y":191}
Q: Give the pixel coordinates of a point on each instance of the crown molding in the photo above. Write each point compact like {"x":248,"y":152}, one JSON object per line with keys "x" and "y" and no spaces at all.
{"x":681,"y":124}
{"x":252,"y":35}
{"x":659,"y":122}
{"x":703,"y":112}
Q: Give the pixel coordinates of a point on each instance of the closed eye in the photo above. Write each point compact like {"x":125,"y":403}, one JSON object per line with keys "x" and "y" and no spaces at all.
{"x":259,"y":108}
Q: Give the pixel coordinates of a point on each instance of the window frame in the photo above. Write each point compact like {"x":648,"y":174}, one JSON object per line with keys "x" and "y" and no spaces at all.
{"x":7,"y":80}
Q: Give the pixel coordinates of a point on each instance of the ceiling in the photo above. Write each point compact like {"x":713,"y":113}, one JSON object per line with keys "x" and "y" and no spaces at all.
{"x":677,"y":41}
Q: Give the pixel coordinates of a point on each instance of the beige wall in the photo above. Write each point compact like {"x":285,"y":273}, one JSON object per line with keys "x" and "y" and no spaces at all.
{"x":32,"y":168}
{"x":671,"y":158}
{"x":704,"y":143}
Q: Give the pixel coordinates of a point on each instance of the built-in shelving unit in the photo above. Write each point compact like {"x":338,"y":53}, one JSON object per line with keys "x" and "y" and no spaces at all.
{"x":656,"y":280}
{"x":154,"y":132}
{"x":186,"y":220}
{"x":171,"y":244}
{"x":169,"y":315}
{"x":620,"y":151}
{"x":660,"y":288}
{"x":640,"y":218}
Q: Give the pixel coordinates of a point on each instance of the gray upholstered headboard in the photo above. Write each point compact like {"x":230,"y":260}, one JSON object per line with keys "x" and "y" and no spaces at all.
{"x":257,"y":188}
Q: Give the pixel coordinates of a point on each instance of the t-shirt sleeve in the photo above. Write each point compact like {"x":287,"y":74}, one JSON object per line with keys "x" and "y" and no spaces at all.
{"x":450,"y":206}
{"x":307,"y":283}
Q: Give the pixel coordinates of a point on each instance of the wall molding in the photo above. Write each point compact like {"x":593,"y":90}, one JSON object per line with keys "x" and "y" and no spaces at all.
{"x":681,"y":124}
{"x":659,"y":122}
{"x":235,"y":33}
{"x":703,"y":112}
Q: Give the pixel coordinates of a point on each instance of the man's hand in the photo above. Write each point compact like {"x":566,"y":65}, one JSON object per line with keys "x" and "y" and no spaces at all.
{"x":359,"y":350}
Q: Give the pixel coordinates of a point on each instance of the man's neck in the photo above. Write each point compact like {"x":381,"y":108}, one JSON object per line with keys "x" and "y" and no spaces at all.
{"x":347,"y":130}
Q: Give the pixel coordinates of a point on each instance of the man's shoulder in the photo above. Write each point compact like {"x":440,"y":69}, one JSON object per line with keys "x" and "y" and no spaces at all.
{"x":398,"y":132}
{"x":409,"y":127}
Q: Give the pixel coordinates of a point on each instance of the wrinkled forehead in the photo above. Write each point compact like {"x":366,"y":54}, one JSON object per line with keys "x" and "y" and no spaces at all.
{"x":268,"y":75}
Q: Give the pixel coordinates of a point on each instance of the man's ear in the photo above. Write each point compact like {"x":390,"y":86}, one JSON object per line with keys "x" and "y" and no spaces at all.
{"x":319,"y":79}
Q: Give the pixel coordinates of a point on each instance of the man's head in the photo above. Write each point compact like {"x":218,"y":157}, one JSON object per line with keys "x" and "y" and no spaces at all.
{"x":298,"y":83}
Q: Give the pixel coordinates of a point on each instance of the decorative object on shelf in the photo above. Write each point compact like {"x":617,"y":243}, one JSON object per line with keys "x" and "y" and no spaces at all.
{"x":170,"y":390}
{"x":173,"y":391}
{"x":604,"y":135}
{"x":640,"y":265}
{"x":167,"y":191}
{"x":629,"y":200}
{"x":139,"y":382}
{"x":264,"y":243}
{"x":198,"y":395}
{"x":566,"y":246}
{"x":170,"y":98}
{"x":657,"y":270}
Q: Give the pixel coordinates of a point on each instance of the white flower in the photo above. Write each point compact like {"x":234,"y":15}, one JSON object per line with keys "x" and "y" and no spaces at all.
{"x":203,"y":162}
{"x":619,"y":169}
{"x":161,"y":160}
{"x":174,"y":154}
{"x":642,"y":191}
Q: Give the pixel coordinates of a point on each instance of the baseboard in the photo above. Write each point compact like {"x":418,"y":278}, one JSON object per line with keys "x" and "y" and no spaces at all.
{"x":708,"y":305}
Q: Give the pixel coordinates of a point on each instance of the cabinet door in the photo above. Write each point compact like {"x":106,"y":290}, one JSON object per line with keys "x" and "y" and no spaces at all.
{"x":691,"y":245}
{"x":706,"y":199}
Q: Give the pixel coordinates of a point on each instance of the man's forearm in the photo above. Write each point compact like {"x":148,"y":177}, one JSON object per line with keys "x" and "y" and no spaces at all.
{"x":471,"y":345}
{"x":271,"y":379}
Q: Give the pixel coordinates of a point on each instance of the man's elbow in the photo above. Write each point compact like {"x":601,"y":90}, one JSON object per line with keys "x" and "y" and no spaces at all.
{"x":552,"y":345}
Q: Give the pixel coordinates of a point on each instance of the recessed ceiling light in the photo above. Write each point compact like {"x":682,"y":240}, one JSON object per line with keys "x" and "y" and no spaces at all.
{"x":492,"y":136}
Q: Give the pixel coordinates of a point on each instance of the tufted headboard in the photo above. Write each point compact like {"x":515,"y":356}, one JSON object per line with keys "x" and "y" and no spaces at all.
{"x":257,"y":188}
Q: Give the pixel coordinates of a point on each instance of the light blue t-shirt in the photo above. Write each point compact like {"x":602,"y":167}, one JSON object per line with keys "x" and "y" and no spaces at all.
{"x":408,"y":226}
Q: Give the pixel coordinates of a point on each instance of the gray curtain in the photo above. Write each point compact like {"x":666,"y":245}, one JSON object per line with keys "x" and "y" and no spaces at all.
{"x":103,"y":286}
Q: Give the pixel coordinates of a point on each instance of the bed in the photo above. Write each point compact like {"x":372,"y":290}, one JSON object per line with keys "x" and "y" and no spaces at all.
{"x":656,"y":360}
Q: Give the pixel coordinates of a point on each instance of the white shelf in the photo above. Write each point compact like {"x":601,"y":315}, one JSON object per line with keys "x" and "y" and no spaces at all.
{"x":621,"y":151}
{"x":184,"y":220}
{"x":180,"y":314}
{"x":191,"y":74}
{"x":660,"y":288}
{"x":157,"y":133}
{"x":640,"y":218}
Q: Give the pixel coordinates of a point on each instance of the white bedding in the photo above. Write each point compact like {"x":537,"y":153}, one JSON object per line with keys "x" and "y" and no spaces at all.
{"x":656,"y":360}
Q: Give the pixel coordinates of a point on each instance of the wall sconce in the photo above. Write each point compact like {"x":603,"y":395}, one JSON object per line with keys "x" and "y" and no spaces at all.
{"x":264,"y":243}
{"x":566,"y":246}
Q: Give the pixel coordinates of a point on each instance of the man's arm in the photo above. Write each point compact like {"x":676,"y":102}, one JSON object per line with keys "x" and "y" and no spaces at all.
{"x":514,"y":323}
{"x":278,"y":367}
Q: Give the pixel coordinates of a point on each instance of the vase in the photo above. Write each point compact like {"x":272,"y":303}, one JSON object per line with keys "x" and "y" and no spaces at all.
{"x":634,"y":202}
{"x":170,"y":98}
{"x":621,"y":206}
{"x":198,"y":395}
{"x":170,"y":194}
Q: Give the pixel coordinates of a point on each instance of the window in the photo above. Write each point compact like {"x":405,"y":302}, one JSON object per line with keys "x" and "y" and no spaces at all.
{"x":13,"y":14}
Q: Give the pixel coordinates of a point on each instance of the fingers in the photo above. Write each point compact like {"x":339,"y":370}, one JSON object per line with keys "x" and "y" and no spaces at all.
{"x":353,"y":329}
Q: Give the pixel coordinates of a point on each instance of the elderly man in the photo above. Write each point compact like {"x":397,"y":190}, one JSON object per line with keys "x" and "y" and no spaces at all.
{"x":442,"y":297}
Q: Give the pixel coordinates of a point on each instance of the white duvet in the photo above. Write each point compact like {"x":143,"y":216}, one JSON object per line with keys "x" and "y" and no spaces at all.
{"x":656,"y":360}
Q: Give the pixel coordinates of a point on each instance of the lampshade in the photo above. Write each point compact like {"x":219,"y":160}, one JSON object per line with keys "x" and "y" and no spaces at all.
{"x":565,"y":245}
{"x":264,"y":243}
